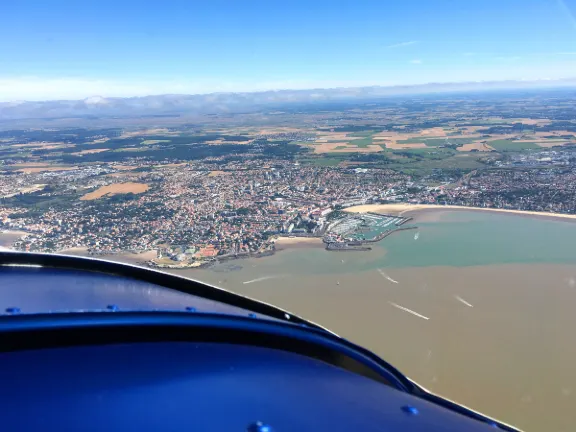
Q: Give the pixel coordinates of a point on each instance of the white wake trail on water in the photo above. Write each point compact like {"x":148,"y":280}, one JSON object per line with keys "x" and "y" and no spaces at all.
{"x":263,"y":278}
{"x":408,"y":310}
{"x":461,"y":300}
{"x":386,"y":276}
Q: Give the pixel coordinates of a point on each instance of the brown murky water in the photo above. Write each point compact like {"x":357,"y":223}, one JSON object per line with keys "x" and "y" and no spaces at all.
{"x":498,"y":338}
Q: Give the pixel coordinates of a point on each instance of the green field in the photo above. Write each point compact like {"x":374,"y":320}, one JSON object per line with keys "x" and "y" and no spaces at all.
{"x":425,"y":151}
{"x":508,"y":145}
{"x":322,"y":161}
{"x":362,"y":143}
{"x":453,"y":141}
{"x":126,"y":149}
{"x":302,"y":143}
{"x":411,"y":141}
{"x":361,"y":134}
{"x":426,"y":165}
{"x":420,"y":151}
{"x":148,"y":142}
{"x":435,"y":142}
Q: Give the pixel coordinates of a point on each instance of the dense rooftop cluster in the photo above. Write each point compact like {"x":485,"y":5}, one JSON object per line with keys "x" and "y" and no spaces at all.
{"x":195,"y":211}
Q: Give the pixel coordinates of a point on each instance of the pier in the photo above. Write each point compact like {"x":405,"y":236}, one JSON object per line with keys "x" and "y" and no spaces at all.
{"x":351,"y":233}
{"x":346,"y":247}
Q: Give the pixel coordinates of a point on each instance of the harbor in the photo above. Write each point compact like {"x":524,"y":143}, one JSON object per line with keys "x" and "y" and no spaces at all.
{"x":356,"y":231}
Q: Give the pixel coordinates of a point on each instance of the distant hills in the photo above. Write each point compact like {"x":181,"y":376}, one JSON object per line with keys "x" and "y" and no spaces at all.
{"x":214,"y":103}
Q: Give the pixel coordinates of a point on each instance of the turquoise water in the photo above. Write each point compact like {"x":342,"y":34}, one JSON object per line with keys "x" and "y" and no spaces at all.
{"x":457,"y":239}
{"x":510,"y":355}
{"x":482,"y":238}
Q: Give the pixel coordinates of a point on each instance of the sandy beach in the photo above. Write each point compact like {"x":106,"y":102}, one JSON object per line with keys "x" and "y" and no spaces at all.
{"x":132,"y":258}
{"x":402,"y":208}
{"x":124,"y":257}
{"x":297,"y":242}
{"x":81,"y":251}
{"x":14,"y":232}
{"x":8,"y":237}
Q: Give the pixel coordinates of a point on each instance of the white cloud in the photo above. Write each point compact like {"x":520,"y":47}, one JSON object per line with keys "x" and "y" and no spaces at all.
{"x":416,"y":61}
{"x":31,"y":88}
{"x":402,"y":44}
{"x":34,"y":88}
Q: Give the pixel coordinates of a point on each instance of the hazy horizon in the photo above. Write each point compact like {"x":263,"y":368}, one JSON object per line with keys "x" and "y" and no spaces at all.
{"x":426,"y":87}
{"x":62,"y":50}
{"x":177,"y":105}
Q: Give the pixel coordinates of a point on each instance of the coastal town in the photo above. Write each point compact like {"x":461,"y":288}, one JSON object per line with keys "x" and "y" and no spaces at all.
{"x":197,"y":194}
{"x":193,"y":213}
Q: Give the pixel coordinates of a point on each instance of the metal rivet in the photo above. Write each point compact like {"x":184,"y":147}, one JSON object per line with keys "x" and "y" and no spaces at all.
{"x":410,"y":410}
{"x":259,"y":427}
{"x":191,"y":309}
{"x":13,"y":310}
{"x":113,"y":308}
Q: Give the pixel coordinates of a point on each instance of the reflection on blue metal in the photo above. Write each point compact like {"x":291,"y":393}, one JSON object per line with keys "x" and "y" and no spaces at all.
{"x":410,"y":410}
{"x":79,"y":291}
{"x":259,"y":427}
{"x":190,"y":309}
{"x":181,"y":386}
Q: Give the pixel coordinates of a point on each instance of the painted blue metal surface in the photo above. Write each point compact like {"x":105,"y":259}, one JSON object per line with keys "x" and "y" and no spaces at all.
{"x":31,"y":290}
{"x":202,"y":387}
{"x":190,"y":385}
{"x":86,"y":272}
{"x":201,"y":323}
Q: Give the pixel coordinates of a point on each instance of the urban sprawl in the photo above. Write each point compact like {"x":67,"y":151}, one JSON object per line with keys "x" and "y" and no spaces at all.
{"x":195,"y":197}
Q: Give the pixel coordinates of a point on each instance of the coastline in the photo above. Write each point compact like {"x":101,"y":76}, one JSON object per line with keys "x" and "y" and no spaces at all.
{"x":13,"y":232}
{"x":8,"y":237}
{"x":142,"y":258}
{"x":402,"y":208}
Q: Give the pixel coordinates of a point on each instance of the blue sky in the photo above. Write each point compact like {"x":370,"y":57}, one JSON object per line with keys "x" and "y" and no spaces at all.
{"x":74,"y":48}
